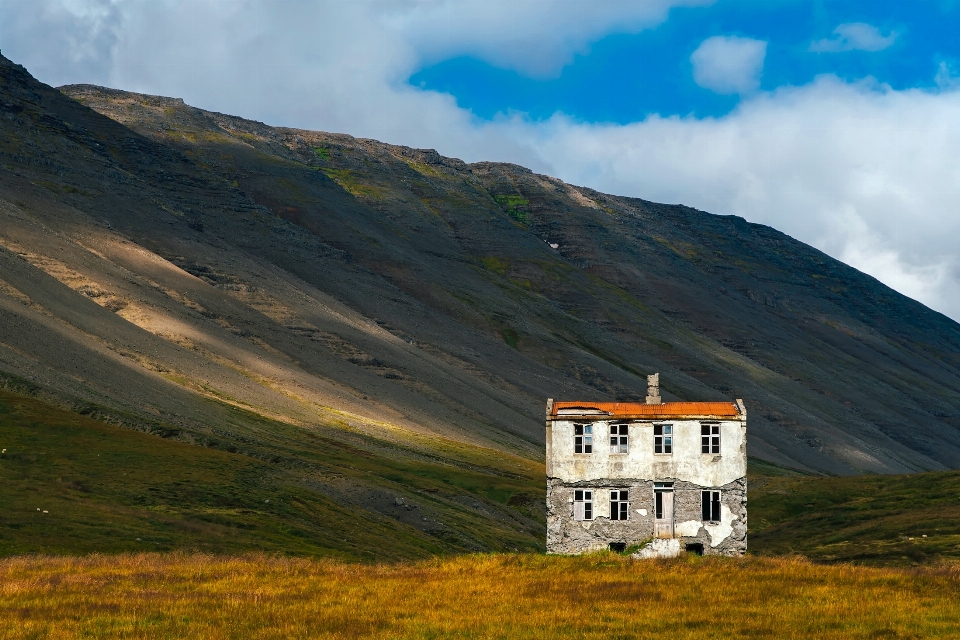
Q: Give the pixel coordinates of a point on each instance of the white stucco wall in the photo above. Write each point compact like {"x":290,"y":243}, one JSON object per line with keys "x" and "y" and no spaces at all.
{"x":686,"y":463}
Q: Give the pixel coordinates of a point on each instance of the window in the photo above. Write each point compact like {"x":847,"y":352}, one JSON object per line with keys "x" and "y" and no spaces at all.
{"x":710,"y":503}
{"x":583,"y":438}
{"x":619,"y":506}
{"x":663,"y":438}
{"x":618,"y":438}
{"x":709,"y":438}
{"x":583,"y":504}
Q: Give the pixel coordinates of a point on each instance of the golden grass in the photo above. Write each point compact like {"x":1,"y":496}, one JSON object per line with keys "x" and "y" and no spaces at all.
{"x":493,"y":596}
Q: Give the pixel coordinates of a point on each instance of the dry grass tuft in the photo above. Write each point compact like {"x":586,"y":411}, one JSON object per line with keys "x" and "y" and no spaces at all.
{"x":487,"y":596}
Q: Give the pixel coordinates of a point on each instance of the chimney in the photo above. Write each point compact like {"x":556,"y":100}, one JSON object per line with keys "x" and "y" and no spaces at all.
{"x":653,"y":389}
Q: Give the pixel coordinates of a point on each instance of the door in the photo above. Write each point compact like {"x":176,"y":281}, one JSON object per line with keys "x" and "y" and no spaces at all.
{"x":663,"y":524}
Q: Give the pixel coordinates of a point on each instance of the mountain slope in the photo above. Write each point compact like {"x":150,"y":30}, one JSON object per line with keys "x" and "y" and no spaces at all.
{"x":179,"y":271}
{"x":841,"y":373}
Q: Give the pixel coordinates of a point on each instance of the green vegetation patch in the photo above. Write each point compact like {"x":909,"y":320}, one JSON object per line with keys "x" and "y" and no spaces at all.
{"x":498,"y":266}
{"x":322,"y":152}
{"x":882,"y":520}
{"x":73,"y":485}
{"x":515,"y":206}
{"x":353,"y":185}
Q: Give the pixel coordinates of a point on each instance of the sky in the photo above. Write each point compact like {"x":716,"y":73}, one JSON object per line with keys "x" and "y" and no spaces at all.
{"x":834,"y":121}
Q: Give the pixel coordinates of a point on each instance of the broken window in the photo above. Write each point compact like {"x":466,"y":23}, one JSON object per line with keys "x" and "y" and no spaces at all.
{"x":710,"y":438}
{"x":583,"y":438}
{"x":618,"y":438}
{"x":710,"y":502}
{"x":583,"y":504}
{"x":619,"y":505}
{"x":663,"y":438}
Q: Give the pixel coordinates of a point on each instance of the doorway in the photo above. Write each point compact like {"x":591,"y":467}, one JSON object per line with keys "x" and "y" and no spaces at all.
{"x":663,"y":509}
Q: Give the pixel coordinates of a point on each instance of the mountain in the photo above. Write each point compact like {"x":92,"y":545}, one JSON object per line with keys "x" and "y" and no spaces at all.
{"x":196,"y":274}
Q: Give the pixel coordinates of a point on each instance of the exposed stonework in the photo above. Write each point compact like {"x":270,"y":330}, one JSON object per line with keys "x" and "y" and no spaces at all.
{"x":687,"y":452}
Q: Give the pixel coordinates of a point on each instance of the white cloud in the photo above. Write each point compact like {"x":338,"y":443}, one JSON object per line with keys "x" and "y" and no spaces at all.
{"x":861,"y":171}
{"x":854,"y":36}
{"x":534,"y":37}
{"x":729,"y":64}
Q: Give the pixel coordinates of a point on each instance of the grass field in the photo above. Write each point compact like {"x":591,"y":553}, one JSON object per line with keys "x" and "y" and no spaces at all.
{"x":500,"y":596}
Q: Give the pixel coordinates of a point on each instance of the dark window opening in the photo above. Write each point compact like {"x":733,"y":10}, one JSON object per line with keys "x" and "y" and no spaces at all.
{"x":619,"y":506}
{"x":710,"y":506}
{"x":695,"y":547}
{"x":663,"y":438}
{"x":618,"y":547}
{"x":710,"y":438}
{"x":583,"y":438}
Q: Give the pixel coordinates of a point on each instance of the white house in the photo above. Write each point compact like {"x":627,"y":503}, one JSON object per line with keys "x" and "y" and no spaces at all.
{"x":668,"y":476}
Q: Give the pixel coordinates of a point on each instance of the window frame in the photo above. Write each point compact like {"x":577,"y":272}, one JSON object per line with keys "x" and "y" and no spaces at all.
{"x":583,"y":438}
{"x":663,"y":442}
{"x":619,"y":439}
{"x":710,"y":500}
{"x":584,"y":498}
{"x":619,"y":504}
{"x":710,"y":438}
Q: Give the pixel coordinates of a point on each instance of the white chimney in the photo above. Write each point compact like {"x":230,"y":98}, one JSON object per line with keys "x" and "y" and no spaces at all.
{"x":653,"y":389}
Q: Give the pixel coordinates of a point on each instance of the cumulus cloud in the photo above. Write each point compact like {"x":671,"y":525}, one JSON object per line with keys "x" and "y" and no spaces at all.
{"x":854,"y":36}
{"x":861,"y":171}
{"x":729,"y":64}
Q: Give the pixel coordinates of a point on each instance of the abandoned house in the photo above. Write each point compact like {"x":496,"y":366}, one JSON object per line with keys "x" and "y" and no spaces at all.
{"x":669,"y":476}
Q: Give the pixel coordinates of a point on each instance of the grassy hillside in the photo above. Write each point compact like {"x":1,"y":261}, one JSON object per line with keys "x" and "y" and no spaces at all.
{"x":905,"y":519}
{"x":70,"y":484}
{"x":506,"y":596}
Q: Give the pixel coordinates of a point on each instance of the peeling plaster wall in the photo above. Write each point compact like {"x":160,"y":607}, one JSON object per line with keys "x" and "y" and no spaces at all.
{"x":686,"y":462}
{"x":636,"y":471}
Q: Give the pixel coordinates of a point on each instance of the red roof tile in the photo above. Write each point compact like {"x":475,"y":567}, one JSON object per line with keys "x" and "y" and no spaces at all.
{"x":643,"y":410}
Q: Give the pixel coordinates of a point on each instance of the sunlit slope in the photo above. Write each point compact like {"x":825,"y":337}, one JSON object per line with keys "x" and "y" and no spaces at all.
{"x":141,"y":282}
{"x":71,"y":484}
{"x":586,"y":293}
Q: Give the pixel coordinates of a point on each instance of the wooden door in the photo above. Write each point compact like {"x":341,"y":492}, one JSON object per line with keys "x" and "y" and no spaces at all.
{"x":664,"y":522}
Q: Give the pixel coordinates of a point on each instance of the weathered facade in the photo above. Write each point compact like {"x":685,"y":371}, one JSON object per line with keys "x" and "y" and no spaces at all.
{"x":670,"y":477}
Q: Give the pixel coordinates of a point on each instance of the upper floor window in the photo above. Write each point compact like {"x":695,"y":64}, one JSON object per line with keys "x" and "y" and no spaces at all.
{"x":663,"y":438}
{"x":618,"y":438}
{"x":710,"y":505}
{"x":709,"y":438}
{"x":583,"y":504}
{"x":583,"y":438}
{"x":619,"y":504}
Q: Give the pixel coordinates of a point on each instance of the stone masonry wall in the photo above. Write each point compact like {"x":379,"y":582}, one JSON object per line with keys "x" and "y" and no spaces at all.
{"x":567,"y":536}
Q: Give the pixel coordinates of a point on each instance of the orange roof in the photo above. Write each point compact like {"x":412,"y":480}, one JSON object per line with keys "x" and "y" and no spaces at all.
{"x":643,"y":410}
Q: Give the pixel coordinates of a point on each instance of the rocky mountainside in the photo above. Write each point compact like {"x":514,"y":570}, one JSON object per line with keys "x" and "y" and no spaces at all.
{"x":186,"y":271}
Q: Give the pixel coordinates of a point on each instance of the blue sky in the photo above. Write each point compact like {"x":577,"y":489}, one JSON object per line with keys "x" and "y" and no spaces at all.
{"x":836,"y":122}
{"x":623,"y":78}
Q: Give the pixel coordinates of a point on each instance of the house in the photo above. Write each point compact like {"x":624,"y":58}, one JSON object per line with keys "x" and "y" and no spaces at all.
{"x":670,"y":476}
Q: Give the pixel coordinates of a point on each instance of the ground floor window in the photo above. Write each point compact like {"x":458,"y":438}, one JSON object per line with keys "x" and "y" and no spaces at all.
{"x":619,"y":504}
{"x":583,"y":504}
{"x":710,"y":501}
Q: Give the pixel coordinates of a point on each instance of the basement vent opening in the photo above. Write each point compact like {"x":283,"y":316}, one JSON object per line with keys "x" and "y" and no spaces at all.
{"x":618,"y":547}
{"x":695,"y":547}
